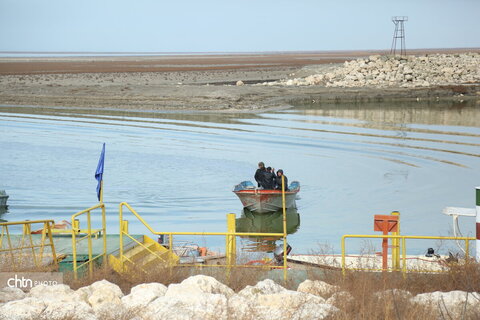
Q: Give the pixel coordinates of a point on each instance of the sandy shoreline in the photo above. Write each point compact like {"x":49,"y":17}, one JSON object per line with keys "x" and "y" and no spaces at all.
{"x":189,"y":82}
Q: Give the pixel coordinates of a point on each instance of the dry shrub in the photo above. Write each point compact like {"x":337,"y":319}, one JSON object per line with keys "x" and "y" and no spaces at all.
{"x":237,"y":278}
{"x":376,"y":295}
{"x":380,"y":295}
{"x":127,"y":280}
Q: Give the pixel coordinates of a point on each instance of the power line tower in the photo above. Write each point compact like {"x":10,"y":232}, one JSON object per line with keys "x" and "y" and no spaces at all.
{"x":399,"y":33}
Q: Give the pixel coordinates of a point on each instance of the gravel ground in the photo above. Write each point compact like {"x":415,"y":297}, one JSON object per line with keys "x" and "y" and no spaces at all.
{"x":211,"y":88}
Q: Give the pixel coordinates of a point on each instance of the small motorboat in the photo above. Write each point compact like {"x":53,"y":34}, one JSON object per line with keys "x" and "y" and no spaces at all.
{"x":3,"y":199}
{"x":263,"y":200}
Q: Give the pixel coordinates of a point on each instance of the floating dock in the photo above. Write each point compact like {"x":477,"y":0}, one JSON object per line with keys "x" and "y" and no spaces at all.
{"x":371,"y":262}
{"x":63,"y":248}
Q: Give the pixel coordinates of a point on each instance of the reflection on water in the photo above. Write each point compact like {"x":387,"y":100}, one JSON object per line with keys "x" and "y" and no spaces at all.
{"x":177,"y":169}
{"x":267,"y":223}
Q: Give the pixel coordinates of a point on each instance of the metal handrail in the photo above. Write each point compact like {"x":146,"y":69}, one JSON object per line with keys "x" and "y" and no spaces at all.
{"x":90,"y":232}
{"x":171,"y":234}
{"x":26,"y":231}
{"x":259,"y":234}
{"x":404,"y":250}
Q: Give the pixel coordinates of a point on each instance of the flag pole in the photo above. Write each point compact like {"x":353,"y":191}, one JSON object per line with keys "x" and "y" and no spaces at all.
{"x":101,"y":190}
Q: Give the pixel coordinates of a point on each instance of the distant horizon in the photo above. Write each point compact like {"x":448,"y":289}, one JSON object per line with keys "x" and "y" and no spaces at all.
{"x":233,"y":52}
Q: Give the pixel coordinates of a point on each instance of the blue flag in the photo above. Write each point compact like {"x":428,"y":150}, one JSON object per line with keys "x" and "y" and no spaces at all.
{"x":99,"y":171}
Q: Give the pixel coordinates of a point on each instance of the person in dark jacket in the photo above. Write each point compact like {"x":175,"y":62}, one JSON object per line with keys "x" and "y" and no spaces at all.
{"x":260,"y":174}
{"x":270,"y":179}
{"x":278,"y":180}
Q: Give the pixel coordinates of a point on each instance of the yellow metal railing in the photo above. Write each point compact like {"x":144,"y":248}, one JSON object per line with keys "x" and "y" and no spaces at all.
{"x":400,"y":247}
{"x":230,"y":244}
{"x":88,"y":233}
{"x":26,"y":242}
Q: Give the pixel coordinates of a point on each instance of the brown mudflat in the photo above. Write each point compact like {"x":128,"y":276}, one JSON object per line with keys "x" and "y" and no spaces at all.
{"x":185,"y":82}
{"x":169,"y":63}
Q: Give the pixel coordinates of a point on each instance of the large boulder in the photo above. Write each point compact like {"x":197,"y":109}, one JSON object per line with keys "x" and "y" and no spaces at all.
{"x":56,"y":293}
{"x":140,"y":296}
{"x":382,"y":71}
{"x":197,"y":297}
{"x":198,"y":284}
{"x":59,"y":310}
{"x":263,"y":287}
{"x":284,"y":305}
{"x":287,"y":299}
{"x":100,"y":292}
{"x":318,"y":288}
{"x":269,"y":300}
{"x":201,"y":306}
{"x":105,"y":299}
{"x":10,"y":294}
{"x":341,"y":299}
{"x":26,"y":309}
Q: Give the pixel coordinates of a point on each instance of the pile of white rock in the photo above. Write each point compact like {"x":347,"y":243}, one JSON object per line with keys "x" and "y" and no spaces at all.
{"x":198,"y":297}
{"x":400,"y":71}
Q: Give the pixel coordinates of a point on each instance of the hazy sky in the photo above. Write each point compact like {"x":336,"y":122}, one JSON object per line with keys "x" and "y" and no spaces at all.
{"x":244,"y":25}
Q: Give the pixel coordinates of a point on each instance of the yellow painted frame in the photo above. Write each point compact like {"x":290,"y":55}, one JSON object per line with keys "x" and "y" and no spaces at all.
{"x":27,"y":234}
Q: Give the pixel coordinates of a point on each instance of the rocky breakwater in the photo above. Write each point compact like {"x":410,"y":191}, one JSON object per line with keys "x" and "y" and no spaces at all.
{"x":203,"y":297}
{"x":397,"y":71}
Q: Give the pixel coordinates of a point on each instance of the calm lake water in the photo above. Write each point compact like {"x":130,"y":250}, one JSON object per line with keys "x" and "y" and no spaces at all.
{"x":178,"y":169}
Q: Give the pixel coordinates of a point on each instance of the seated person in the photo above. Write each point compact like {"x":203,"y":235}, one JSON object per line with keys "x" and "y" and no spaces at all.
{"x":269,"y":179}
{"x":278,"y":180}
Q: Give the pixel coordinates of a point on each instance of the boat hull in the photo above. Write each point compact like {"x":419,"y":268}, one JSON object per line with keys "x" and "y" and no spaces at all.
{"x":263,"y":201}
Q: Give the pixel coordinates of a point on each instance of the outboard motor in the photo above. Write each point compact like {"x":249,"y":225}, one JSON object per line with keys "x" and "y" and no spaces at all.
{"x":431,"y":253}
{"x":278,"y":253}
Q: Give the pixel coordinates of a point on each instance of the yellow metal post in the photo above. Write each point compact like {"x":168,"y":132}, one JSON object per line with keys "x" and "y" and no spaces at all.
{"x":120,"y":216}
{"x":123,"y":230}
{"x":50,"y":238}
{"x":125,"y":226}
{"x":343,"y":255}
{"x":89,"y":241}
{"x":101,"y":190}
{"x":76,"y":225}
{"x":27,"y":230}
{"x":104,"y":235}
{"x":74,"y":247}
{"x":284,"y":230}
{"x":231,"y":246}
{"x":396,"y":244}
{"x":404,"y":255}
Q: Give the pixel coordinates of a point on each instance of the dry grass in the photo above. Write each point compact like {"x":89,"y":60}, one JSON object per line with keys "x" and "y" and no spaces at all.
{"x":382,"y":295}
{"x":375,"y":295}
{"x":237,"y":279}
